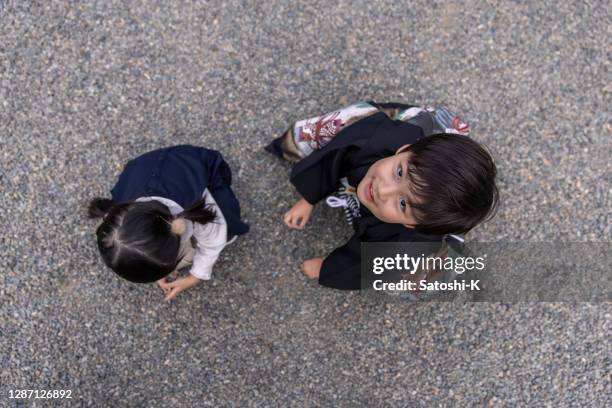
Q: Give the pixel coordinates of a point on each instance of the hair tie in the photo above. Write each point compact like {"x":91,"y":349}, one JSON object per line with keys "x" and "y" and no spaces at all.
{"x":178,"y":226}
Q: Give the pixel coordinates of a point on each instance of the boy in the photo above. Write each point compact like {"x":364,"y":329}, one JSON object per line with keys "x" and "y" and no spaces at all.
{"x":404,"y":174}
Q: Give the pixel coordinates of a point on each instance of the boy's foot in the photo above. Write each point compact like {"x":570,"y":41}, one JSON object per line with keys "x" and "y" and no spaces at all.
{"x":312,"y":267}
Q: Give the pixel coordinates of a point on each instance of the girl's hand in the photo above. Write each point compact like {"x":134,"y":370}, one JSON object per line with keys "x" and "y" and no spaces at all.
{"x":164,"y":284}
{"x":297,"y":217}
{"x":312,"y":267}
{"x":180,"y":285}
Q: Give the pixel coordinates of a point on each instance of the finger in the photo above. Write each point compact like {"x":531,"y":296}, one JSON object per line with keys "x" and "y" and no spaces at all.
{"x":291,"y":222}
{"x":172,"y":294}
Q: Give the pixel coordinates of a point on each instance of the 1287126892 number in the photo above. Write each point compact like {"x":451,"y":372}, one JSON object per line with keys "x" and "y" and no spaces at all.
{"x":40,"y":394}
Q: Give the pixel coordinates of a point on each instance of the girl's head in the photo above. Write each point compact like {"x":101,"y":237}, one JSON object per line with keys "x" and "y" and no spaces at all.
{"x":141,"y":241}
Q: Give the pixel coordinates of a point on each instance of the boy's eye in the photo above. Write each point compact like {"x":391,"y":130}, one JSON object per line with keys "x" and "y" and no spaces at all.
{"x":403,"y":204}
{"x":400,"y":172}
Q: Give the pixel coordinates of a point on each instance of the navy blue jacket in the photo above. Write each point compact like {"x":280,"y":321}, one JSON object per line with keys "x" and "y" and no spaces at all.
{"x":181,"y":174}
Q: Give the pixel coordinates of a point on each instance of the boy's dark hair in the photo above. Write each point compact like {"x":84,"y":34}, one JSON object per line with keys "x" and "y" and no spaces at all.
{"x":136,"y":239}
{"x":453,"y":178}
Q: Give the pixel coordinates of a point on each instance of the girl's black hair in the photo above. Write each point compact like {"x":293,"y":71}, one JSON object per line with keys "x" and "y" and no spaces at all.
{"x":453,"y":178}
{"x":136,"y":240}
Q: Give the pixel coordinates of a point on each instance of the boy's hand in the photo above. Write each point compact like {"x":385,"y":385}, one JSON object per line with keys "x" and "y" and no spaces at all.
{"x":312,"y":267}
{"x":179,"y":285}
{"x":297,"y":217}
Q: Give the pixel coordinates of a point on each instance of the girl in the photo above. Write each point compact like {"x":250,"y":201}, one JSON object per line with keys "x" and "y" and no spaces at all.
{"x":170,"y":208}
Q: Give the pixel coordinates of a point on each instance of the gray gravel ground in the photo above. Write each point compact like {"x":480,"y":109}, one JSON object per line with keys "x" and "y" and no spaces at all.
{"x":85,"y":87}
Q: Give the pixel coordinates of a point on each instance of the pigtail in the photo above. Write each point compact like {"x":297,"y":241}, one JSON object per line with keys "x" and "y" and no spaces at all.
{"x":99,"y":207}
{"x":199,"y":212}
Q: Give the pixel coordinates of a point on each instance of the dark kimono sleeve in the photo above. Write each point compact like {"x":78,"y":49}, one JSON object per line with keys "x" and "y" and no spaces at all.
{"x":342,"y":268}
{"x":318,"y":175}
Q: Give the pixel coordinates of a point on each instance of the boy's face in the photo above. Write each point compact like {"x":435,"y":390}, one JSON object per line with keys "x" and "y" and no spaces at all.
{"x":385,"y":190}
